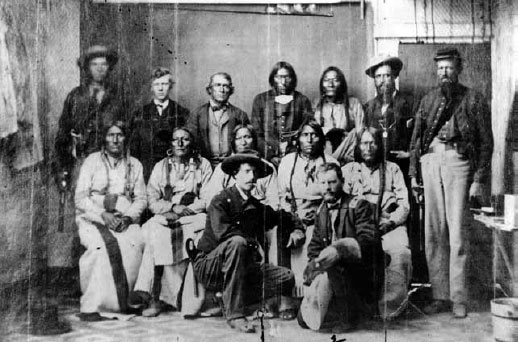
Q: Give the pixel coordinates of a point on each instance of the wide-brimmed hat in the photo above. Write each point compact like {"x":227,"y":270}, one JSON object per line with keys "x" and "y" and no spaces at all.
{"x":447,"y":53}
{"x":98,"y":51}
{"x":394,"y":62}
{"x":252,"y":157}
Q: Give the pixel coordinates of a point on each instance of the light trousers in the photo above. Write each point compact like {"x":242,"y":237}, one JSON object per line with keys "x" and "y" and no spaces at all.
{"x":446,"y":178}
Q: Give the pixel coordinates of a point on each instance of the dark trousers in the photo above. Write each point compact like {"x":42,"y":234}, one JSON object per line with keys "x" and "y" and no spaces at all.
{"x":352,"y":299}
{"x":231,"y":267}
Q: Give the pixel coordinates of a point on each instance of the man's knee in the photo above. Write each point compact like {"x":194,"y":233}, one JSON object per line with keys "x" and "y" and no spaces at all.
{"x":237,"y":243}
{"x":400,"y":255}
{"x":287,"y":278}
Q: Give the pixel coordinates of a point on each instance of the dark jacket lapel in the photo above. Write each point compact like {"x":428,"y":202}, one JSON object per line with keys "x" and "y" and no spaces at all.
{"x":204,"y":126}
{"x":344,"y":207}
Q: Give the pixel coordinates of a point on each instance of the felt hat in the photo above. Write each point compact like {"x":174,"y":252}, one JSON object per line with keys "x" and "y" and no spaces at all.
{"x":233,"y":162}
{"x":447,"y":53}
{"x":394,"y":62}
{"x":98,"y":51}
{"x":316,"y":301}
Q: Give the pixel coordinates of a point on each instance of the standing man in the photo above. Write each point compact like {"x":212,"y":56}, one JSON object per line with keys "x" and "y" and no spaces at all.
{"x":390,"y":109}
{"x":278,"y":113}
{"x":152,"y":126}
{"x":212,"y":123}
{"x":346,"y":264}
{"x":87,"y":109}
{"x":228,"y":260}
{"x":453,"y":142}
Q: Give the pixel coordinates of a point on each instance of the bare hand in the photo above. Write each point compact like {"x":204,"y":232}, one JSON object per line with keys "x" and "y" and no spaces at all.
{"x":327,"y":258}
{"x":170,"y":216}
{"x":110,"y":220}
{"x":124,"y":223}
{"x":178,"y":208}
{"x":188,"y":212}
{"x":475,"y":190}
{"x":63,"y":181}
{"x":416,"y":188}
{"x":387,"y":227}
{"x":400,"y":154}
{"x":297,"y":238}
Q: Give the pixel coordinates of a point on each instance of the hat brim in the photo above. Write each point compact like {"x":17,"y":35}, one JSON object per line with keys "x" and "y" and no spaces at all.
{"x":440,"y":58}
{"x":111,"y":57}
{"x":395,"y":64}
{"x":232,"y":163}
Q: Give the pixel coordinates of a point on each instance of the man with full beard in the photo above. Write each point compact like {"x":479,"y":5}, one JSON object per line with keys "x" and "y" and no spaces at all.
{"x":453,"y":142}
{"x":390,"y":109}
{"x":344,"y":272}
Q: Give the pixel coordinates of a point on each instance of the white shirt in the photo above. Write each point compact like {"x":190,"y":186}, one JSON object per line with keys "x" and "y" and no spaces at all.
{"x":161,"y":106}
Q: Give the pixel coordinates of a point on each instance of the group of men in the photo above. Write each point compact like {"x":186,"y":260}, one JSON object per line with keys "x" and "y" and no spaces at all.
{"x":360,"y":227}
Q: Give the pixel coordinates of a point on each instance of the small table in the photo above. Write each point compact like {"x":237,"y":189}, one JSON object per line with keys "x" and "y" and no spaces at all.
{"x":503,"y":232}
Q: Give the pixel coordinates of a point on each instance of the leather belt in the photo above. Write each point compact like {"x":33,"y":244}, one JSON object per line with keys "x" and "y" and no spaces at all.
{"x":443,"y":146}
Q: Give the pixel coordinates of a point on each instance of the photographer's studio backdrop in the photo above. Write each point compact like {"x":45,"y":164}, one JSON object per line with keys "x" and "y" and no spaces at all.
{"x":40,"y":42}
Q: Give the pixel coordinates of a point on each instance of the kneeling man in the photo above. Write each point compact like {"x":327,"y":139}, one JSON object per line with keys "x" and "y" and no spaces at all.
{"x":346,"y":261}
{"x":229,"y":259}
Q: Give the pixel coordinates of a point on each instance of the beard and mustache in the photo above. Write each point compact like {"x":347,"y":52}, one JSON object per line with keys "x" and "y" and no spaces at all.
{"x":448,"y":87}
{"x":385,"y":91}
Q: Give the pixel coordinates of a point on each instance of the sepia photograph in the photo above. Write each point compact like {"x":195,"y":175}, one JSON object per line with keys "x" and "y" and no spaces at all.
{"x":258,"y":170}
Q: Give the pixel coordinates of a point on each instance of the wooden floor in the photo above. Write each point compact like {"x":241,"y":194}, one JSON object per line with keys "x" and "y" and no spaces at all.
{"x":171,"y":327}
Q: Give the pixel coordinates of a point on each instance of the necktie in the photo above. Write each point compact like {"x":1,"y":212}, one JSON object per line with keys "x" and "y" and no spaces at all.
{"x":95,"y":94}
{"x":222,"y":107}
{"x":333,"y":219}
{"x":160,"y":108}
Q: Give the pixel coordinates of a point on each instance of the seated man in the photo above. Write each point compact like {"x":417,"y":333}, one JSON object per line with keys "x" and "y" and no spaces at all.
{"x":228,"y":260}
{"x":173,"y":196}
{"x":299,"y":192}
{"x":244,"y":140}
{"x":110,"y":196}
{"x":345,"y":257}
{"x":364,"y":178}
